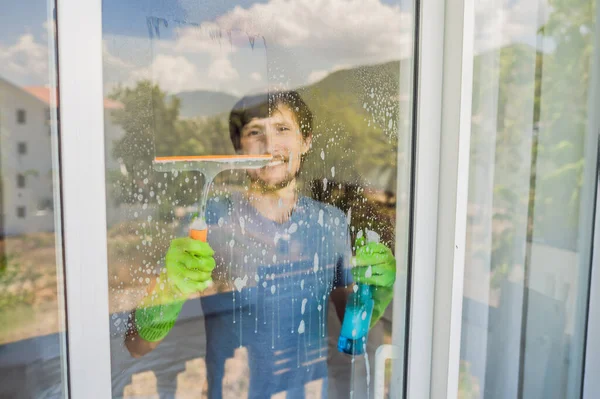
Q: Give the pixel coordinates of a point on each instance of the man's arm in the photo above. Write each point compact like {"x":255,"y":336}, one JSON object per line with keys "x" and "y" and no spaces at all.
{"x":188,"y":267}
{"x":136,"y":345}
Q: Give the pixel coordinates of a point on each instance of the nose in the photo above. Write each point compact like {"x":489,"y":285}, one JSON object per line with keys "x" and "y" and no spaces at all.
{"x":271,"y":144}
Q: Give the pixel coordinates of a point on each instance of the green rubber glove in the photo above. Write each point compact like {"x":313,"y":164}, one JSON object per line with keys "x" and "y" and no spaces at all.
{"x":188,"y":267}
{"x":375,"y":265}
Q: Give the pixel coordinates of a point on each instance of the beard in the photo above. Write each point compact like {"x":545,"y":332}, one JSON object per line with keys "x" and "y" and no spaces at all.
{"x":284,"y":182}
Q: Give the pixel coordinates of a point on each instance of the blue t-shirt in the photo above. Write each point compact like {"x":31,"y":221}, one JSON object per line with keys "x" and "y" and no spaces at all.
{"x":275,"y":280}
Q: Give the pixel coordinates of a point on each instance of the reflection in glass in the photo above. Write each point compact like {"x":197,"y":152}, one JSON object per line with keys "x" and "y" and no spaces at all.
{"x":533,"y":157}
{"x":324,"y":99}
{"x":32,"y":325}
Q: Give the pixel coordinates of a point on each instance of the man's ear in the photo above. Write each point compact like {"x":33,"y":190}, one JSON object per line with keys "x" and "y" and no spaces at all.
{"x":306,"y":143}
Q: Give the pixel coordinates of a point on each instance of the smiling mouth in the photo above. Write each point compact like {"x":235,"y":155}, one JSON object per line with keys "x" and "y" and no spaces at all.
{"x":275,"y":163}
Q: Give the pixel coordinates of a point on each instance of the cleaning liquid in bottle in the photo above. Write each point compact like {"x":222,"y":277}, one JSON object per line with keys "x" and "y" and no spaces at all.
{"x":357,"y":317}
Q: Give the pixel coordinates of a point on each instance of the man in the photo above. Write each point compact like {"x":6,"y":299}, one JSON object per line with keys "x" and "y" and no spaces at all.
{"x":276,"y":258}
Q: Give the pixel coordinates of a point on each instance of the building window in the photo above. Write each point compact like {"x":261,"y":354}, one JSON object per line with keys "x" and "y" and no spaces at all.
{"x":21,"y":211}
{"x":21,"y":116}
{"x":45,"y":205}
{"x":22,"y":148}
{"x":21,"y":181}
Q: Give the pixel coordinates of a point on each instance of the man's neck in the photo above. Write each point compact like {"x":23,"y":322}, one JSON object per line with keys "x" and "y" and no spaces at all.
{"x":275,"y":204}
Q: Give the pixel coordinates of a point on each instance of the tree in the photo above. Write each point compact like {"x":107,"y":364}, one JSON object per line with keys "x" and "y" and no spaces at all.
{"x":152,"y":128}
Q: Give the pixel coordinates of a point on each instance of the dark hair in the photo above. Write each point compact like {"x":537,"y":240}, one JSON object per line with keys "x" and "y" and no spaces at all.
{"x":262,"y":106}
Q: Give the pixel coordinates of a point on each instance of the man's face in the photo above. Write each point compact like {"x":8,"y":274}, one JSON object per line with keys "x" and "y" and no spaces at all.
{"x":280,"y":136}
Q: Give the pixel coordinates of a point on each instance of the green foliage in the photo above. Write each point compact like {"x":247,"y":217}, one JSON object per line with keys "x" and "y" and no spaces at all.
{"x":538,"y":125}
{"x":152,"y":128}
{"x":468,"y":384}
{"x":355,"y":132}
{"x":17,"y":289}
{"x":356,"y":120}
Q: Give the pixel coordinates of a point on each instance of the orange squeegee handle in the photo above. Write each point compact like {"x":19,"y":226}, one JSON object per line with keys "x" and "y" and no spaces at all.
{"x":199,"y":235}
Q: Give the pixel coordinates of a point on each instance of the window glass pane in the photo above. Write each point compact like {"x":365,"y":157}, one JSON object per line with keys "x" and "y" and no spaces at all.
{"x":531,"y":191}
{"x":32,"y":323}
{"x":320,"y":97}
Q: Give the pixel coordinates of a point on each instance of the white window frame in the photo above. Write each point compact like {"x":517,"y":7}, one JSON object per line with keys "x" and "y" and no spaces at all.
{"x":441,"y":156}
{"x":443,"y":133}
{"x":79,"y":26}
{"x":443,"y":102}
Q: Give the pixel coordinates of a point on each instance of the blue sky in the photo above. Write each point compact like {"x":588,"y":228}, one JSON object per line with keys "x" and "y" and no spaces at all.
{"x":308,"y":39}
{"x":23,"y":40}
{"x":22,"y":16}
{"x":119,"y":16}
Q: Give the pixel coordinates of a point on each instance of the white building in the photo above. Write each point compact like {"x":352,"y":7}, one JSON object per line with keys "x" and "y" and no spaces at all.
{"x":26,"y":187}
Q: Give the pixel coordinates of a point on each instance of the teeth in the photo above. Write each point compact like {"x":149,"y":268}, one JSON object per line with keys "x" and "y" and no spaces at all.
{"x":275,"y":163}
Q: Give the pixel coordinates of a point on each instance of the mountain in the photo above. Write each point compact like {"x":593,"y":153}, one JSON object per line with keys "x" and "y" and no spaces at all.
{"x":201,"y":103}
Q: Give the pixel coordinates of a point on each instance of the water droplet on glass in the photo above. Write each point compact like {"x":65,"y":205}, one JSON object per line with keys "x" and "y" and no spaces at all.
{"x":242,"y":225}
{"x":240,"y":283}
{"x":293,"y":228}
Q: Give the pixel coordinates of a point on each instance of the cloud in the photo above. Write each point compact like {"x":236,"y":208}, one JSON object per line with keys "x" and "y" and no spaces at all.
{"x":197,"y":58}
{"x":498,"y":24}
{"x":222,"y":70}
{"x":175,"y":73}
{"x":308,"y":39}
{"x":353,"y":30}
{"x":172,"y":73}
{"x":25,"y":62}
{"x":208,"y":38}
{"x":319,"y":32}
{"x":317,"y":75}
{"x":111,"y":60}
{"x":49,"y":30}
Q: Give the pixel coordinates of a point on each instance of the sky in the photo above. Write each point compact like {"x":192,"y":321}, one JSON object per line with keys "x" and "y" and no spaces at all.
{"x":244,"y":46}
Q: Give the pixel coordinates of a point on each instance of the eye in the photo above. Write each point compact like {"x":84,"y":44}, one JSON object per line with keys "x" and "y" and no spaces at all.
{"x":283,"y":129}
{"x":253,"y":132}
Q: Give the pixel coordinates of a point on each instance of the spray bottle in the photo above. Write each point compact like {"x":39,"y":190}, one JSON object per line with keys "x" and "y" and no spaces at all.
{"x":357,"y":317}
